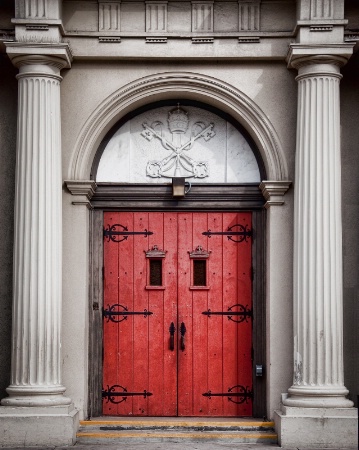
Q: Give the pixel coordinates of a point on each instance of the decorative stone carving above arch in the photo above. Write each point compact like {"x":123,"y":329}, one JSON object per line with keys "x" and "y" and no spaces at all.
{"x":171,"y":141}
{"x":174,"y":85}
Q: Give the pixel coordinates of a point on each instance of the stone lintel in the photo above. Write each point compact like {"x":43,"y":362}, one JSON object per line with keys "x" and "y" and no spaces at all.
{"x":17,"y":51}
{"x":335,"y":53}
{"x":273,"y":192}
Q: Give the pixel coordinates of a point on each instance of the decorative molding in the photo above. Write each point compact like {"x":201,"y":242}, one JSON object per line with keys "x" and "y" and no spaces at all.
{"x":249,"y":15}
{"x":202,"y":40}
{"x":43,"y":54}
{"x":273,"y":192}
{"x":155,"y":252}
{"x":156,"y":16}
{"x":110,"y":40}
{"x":86,"y":188}
{"x":109,"y":15}
{"x":301,"y":55}
{"x":156,"y":40}
{"x":38,"y":27}
{"x":202,"y":16}
{"x":318,"y":28}
{"x":199,"y":86}
{"x":199,"y":253}
{"x":249,"y":40}
{"x":36,"y":9}
{"x":321,"y":9}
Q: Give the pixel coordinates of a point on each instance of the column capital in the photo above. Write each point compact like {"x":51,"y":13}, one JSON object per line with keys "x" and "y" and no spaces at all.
{"x":300,"y":55}
{"x":273,"y":192}
{"x":22,"y":54}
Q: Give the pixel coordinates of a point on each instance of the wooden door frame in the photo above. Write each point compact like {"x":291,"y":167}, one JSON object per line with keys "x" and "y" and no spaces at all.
{"x":202,"y":197}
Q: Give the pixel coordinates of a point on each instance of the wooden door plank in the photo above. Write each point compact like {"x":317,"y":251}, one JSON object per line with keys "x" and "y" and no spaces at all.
{"x":185,"y":315}
{"x":110,"y":332}
{"x":126,"y":326}
{"x":230,"y":333}
{"x":245,"y":296}
{"x":156,"y":325}
{"x":215,"y":322}
{"x":170,"y":314}
{"x":200,"y":326}
{"x":141,"y":323}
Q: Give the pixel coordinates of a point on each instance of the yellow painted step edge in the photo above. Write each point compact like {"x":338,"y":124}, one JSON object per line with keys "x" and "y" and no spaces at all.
{"x":175,"y":423}
{"x":178,"y":435}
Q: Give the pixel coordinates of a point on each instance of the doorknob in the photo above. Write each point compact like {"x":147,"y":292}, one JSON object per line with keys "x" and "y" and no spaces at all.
{"x":183,"y":332}
{"x":172,"y":330}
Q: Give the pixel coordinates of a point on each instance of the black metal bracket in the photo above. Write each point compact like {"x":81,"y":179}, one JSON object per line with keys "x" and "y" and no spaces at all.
{"x":112,"y":231}
{"x":111,"y":394}
{"x":243,"y":233}
{"x":112,"y":314}
{"x":243,"y":394}
{"x":244,"y":313}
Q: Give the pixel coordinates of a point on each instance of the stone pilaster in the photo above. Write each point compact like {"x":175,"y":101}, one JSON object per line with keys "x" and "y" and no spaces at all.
{"x":37,"y":295}
{"x":318,"y":390}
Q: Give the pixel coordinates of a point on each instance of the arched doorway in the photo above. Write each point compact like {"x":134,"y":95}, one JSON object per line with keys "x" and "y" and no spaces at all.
{"x":210,"y":150}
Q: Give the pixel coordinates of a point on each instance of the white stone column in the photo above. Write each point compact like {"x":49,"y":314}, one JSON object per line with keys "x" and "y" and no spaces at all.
{"x":37,"y":279}
{"x":318,"y":294}
{"x":316,"y":407}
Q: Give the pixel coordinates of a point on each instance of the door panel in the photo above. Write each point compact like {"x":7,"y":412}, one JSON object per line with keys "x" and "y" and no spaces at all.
{"x":212,"y":374}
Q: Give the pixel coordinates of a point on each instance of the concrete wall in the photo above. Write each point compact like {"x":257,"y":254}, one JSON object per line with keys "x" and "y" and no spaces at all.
{"x":8,"y":114}
{"x":350,"y":196}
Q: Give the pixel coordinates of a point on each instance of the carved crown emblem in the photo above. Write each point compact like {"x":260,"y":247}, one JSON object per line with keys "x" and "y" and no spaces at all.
{"x":178,"y":120}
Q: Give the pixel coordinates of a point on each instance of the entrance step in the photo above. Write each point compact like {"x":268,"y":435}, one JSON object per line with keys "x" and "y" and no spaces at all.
{"x":106,"y":429}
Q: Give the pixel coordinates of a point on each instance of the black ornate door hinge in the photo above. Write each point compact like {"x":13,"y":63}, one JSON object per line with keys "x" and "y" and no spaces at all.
{"x":112,"y":394}
{"x":113,"y":314}
{"x":244,"y":313}
{"x":241,"y":231}
{"x":111,"y":232}
{"x":242,"y":395}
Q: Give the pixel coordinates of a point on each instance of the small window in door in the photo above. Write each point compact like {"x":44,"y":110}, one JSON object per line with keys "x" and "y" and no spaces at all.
{"x":199,"y":268}
{"x":155,"y":258}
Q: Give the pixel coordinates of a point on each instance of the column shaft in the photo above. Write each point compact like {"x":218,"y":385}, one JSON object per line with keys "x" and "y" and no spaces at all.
{"x":36,"y":371}
{"x":318,"y":295}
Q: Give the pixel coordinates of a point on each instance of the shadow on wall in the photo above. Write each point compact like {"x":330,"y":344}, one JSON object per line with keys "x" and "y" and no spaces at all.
{"x":8,"y":115}
{"x":350,"y":198}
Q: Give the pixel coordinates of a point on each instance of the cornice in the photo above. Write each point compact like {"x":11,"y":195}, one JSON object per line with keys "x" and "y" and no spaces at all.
{"x":22,"y":53}
{"x":303,"y":54}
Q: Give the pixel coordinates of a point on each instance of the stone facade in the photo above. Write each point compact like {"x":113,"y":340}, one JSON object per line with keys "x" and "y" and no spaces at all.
{"x":280,"y":75}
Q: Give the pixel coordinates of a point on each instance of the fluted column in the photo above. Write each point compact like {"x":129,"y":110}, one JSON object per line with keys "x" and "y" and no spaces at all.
{"x":318,"y":294}
{"x":37,"y":295}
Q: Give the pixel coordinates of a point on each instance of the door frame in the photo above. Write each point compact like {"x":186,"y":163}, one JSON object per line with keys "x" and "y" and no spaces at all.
{"x":202,"y":197}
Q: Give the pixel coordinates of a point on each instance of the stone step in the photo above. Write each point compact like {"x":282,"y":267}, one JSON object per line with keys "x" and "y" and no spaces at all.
{"x":242,"y":431}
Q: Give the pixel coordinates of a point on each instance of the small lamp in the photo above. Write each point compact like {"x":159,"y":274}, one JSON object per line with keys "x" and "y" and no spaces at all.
{"x":178,"y":186}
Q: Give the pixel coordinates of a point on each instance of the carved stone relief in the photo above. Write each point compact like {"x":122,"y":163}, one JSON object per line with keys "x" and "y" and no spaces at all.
{"x":177,"y":141}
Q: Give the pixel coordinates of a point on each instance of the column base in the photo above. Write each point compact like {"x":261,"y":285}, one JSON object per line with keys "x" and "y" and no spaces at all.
{"x":36,"y":396}
{"x":317,"y":427}
{"x":38,"y":426}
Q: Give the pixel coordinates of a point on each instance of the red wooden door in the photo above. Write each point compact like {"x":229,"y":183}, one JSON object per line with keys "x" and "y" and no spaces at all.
{"x":177,"y":314}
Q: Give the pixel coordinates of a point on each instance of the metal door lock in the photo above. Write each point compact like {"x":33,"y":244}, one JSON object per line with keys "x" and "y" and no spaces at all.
{"x":259,"y":370}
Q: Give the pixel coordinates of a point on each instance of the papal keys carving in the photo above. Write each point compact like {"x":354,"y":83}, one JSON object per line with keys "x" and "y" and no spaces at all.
{"x":178,"y":163}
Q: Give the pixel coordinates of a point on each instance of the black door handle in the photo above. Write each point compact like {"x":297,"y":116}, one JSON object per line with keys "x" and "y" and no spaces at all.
{"x":183,"y":332}
{"x":172,"y":331}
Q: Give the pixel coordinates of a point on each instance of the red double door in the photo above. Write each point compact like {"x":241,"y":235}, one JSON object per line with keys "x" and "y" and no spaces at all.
{"x":177,"y":314}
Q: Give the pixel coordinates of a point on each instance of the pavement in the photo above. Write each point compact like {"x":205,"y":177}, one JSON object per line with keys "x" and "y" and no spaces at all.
{"x":169,"y":444}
